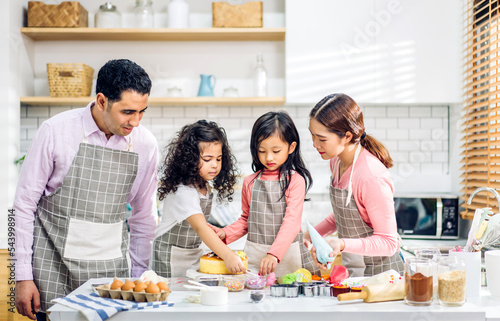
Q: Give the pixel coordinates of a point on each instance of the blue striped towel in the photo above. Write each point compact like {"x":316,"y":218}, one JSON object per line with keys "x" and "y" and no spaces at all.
{"x":96,"y":308}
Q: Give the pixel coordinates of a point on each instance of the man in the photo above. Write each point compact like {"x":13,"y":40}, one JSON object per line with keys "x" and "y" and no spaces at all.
{"x":83,"y":167}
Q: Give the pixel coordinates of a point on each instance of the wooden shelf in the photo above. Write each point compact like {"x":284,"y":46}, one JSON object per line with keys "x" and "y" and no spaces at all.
{"x":159,"y":101}
{"x":156,"y":34}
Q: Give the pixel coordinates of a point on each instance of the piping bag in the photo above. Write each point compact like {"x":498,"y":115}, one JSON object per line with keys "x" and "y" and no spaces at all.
{"x":323,"y":249}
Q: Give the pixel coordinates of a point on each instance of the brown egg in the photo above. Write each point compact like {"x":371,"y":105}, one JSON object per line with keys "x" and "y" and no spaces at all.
{"x":129,"y":285}
{"x":116,"y":285}
{"x":136,"y":281}
{"x":163,"y":286}
{"x":152,"y":288}
{"x":140,"y":287}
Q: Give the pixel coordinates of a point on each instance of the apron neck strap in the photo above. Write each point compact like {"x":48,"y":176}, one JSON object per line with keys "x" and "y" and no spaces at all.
{"x":129,"y":146}
{"x":349,"y":187}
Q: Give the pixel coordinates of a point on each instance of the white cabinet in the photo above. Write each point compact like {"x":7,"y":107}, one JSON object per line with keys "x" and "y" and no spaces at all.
{"x":377,"y":51}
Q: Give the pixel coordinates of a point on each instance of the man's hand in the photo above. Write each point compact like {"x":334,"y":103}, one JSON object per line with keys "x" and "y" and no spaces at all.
{"x":27,"y":298}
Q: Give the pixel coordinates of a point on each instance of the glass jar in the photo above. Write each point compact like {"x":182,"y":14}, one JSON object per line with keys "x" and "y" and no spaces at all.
{"x":144,"y":14}
{"x":174,"y":92}
{"x":418,"y":281}
{"x":451,"y":281}
{"x":108,"y":17}
{"x":230,"y":92}
{"x":433,"y":254}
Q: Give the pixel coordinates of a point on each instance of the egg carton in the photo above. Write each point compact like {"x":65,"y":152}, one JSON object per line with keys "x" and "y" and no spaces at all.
{"x":105,"y":291}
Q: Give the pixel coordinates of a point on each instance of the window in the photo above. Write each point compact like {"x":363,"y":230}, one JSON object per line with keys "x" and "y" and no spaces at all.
{"x":481,"y":119}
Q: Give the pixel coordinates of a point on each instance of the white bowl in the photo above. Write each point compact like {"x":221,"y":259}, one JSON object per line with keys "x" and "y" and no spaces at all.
{"x":214,"y":295}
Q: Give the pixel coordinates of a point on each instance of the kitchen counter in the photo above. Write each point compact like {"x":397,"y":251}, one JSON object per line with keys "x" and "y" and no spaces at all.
{"x":301,"y":308}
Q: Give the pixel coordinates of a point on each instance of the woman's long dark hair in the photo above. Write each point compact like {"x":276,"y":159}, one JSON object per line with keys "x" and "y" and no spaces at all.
{"x":181,"y":165}
{"x":279,"y":123}
{"x":340,"y":114}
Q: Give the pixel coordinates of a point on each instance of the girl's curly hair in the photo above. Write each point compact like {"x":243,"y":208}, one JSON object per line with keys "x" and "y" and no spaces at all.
{"x":181,"y":165}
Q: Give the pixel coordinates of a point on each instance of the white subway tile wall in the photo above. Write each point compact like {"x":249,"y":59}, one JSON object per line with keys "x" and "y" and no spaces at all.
{"x":416,"y":136}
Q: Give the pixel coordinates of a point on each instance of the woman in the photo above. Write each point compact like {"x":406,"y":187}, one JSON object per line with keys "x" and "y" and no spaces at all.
{"x":361,"y":189}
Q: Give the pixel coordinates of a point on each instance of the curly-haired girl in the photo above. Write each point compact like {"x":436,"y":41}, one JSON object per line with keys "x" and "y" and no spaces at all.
{"x":198,"y":154}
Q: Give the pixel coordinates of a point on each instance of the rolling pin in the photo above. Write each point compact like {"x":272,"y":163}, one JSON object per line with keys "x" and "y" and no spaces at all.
{"x":376,"y":293}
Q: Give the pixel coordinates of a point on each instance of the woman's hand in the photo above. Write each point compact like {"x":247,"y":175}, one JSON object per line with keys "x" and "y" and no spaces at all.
{"x":337,"y":246}
{"x":307,"y":239}
{"x":220,"y":232}
{"x":234,"y":264}
{"x":268,"y":264}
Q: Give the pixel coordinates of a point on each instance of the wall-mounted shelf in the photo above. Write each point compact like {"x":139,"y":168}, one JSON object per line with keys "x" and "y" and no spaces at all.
{"x":156,"y":34}
{"x":159,"y":101}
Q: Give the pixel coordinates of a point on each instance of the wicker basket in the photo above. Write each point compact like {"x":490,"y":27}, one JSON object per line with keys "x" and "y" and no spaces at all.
{"x":65,"y":14}
{"x":70,"y":80}
{"x":225,"y":15}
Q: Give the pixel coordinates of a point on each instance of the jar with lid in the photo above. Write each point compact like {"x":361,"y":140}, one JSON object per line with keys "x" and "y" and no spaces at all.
{"x":230,"y":92}
{"x":451,"y":281}
{"x":174,"y":92}
{"x":144,"y":14}
{"x":418,"y":281}
{"x":433,"y":254}
{"x":108,"y":17}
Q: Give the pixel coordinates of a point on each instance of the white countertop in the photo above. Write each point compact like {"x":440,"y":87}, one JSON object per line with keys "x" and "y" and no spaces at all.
{"x":301,"y":308}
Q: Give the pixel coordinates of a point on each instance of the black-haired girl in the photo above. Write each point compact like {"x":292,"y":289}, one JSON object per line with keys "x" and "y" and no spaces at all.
{"x":198,"y":154}
{"x":273,"y":198}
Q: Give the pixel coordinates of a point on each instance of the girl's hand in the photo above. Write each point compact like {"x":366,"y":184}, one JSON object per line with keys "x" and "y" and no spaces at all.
{"x":268,"y":264}
{"x":307,"y":239}
{"x":220,"y":232}
{"x":234,"y":264}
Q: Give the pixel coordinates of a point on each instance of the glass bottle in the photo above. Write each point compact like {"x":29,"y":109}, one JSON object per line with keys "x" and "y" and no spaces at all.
{"x":144,"y":14}
{"x":260,"y":78}
{"x":108,"y":17}
{"x":451,"y":281}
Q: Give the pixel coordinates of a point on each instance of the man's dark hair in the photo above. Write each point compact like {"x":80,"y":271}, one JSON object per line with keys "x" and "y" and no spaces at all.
{"x":120,"y":75}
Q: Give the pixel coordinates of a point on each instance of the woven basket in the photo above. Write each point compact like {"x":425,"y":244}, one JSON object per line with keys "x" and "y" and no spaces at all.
{"x":65,"y":14}
{"x":70,"y":80}
{"x":225,"y":15}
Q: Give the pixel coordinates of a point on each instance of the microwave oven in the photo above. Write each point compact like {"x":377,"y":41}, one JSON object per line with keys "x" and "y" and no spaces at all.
{"x":433,"y":216}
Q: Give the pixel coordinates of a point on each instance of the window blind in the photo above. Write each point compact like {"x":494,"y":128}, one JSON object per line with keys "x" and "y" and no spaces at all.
{"x":481,"y":115}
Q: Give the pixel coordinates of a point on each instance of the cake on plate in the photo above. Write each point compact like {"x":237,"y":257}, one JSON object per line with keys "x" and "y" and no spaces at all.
{"x":210,"y":263}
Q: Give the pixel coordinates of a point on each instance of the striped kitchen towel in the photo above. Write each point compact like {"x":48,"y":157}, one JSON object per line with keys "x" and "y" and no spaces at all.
{"x":96,"y":308}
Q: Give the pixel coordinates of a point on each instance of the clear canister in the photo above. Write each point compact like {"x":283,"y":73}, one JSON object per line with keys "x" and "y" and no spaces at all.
{"x":418,"y":281}
{"x":451,"y":281}
{"x":144,"y":14}
{"x":108,"y":17}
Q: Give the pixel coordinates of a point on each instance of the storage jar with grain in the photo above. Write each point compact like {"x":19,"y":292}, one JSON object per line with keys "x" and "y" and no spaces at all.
{"x":451,"y":281}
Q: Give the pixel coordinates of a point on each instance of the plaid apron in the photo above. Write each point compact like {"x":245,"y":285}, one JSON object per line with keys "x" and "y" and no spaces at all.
{"x":265,"y":218}
{"x":350,"y":225}
{"x":80,"y":230}
{"x":178,"y":249}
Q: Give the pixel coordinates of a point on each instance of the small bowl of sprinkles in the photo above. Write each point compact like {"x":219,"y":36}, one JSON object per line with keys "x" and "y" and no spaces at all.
{"x":256,"y":282}
{"x":234,"y":283}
